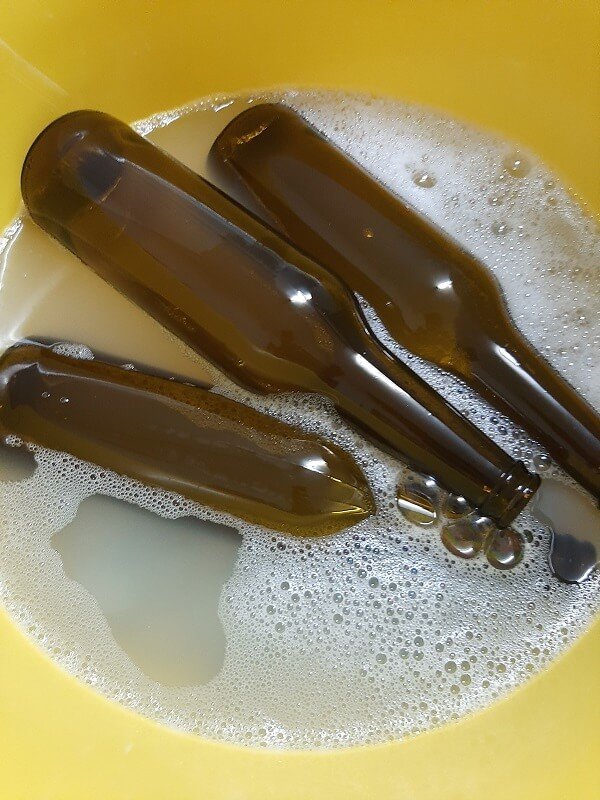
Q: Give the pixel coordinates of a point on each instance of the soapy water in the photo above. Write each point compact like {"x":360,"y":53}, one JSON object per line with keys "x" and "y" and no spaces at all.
{"x":378,"y":632}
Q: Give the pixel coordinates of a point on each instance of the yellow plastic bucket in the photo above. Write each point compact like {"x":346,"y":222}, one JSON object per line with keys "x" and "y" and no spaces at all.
{"x":529,"y":70}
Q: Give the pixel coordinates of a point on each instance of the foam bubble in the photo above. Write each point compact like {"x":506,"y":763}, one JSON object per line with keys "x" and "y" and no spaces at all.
{"x":378,"y":632}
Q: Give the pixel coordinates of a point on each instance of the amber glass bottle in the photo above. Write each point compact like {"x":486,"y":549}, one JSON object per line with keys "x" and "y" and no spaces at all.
{"x":434,"y":298}
{"x":181,"y":438}
{"x":267,"y":315}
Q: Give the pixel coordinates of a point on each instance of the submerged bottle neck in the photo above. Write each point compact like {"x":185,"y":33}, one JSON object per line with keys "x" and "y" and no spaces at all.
{"x":401,"y":414}
{"x":516,"y":379}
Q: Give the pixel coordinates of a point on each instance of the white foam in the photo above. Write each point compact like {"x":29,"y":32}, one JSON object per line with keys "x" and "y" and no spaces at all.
{"x":375,"y":633}
{"x":73,"y":350}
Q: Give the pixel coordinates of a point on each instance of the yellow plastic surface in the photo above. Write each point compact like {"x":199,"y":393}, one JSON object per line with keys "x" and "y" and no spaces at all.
{"x":529,"y":70}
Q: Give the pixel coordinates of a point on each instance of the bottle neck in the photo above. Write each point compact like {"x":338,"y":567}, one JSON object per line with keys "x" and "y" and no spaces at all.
{"x":517,"y":380}
{"x":401,"y":414}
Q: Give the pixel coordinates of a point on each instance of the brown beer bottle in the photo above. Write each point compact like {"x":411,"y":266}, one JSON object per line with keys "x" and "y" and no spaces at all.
{"x":182,"y":438}
{"x":247,"y":300}
{"x":433,"y":297}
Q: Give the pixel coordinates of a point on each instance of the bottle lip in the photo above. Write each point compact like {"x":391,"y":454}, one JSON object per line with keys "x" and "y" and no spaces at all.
{"x":510,"y":495}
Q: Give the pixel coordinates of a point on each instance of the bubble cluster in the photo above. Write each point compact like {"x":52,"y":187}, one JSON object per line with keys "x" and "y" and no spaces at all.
{"x":378,"y":632}
{"x":464,"y":532}
{"x":73,"y":350}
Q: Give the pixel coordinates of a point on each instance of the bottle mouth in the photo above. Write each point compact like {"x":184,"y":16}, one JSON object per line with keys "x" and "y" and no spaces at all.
{"x":511,"y":494}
